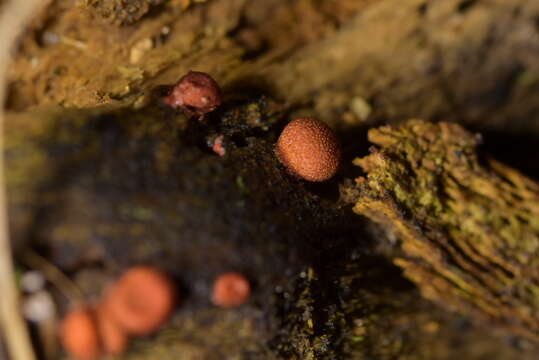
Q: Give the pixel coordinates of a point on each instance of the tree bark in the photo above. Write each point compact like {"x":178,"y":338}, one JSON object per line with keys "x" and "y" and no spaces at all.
{"x":469,"y":228}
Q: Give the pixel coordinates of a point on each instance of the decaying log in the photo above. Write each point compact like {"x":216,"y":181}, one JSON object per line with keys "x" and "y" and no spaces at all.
{"x":469,"y":226}
{"x":95,"y":191}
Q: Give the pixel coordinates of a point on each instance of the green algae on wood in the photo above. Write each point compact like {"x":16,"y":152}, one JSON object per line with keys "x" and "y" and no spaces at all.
{"x":469,"y":226}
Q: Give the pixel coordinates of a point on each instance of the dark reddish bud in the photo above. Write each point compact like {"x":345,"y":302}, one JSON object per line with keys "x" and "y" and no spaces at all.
{"x":196,"y":94}
{"x":218,"y":146}
{"x":230,"y":290}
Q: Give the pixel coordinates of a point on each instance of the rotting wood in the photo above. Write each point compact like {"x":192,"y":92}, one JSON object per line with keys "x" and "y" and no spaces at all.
{"x":469,"y":227}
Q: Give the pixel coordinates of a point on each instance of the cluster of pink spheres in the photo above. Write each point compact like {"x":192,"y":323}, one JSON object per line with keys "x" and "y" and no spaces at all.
{"x":308,"y":148}
{"x":138,"y":304}
{"x":143,"y":298}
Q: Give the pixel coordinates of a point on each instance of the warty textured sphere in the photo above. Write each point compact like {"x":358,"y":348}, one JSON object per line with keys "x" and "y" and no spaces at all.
{"x":309,"y":149}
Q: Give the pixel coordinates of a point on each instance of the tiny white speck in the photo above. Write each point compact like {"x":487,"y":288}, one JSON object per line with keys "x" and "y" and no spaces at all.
{"x":32,"y":281}
{"x":38,"y":307}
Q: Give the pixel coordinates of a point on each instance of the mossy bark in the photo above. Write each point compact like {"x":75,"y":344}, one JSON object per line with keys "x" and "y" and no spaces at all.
{"x":469,"y":228}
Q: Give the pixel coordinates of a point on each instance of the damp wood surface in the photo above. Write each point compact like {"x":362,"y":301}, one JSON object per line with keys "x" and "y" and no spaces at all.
{"x":102,"y":176}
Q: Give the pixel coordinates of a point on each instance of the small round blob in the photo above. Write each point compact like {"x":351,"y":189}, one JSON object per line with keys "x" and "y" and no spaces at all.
{"x":113,"y":337}
{"x":230,"y":290}
{"x":195,"y":93}
{"x":141,"y":301}
{"x":309,"y":149}
{"x":79,"y":334}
